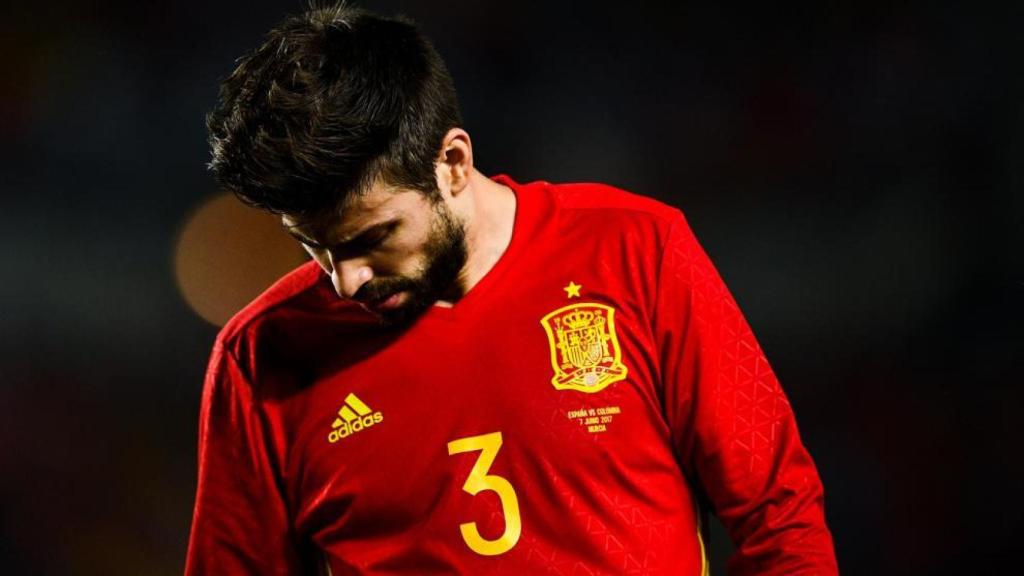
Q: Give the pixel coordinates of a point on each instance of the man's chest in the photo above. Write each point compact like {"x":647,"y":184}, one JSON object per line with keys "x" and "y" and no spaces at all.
{"x":467,"y":433}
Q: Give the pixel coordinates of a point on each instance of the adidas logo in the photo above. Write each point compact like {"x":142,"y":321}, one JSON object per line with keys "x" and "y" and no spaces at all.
{"x":354,"y":416}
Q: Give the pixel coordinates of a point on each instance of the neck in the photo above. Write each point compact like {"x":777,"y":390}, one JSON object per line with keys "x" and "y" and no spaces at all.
{"x":489,"y":223}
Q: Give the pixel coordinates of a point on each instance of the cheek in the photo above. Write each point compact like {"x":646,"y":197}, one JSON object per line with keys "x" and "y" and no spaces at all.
{"x":400,"y":259}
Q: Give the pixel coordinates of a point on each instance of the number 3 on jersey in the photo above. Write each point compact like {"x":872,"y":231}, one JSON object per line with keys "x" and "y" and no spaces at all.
{"x":478,"y":480}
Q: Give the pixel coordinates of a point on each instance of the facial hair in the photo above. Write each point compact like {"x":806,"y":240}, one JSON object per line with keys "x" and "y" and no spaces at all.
{"x":445,"y":254}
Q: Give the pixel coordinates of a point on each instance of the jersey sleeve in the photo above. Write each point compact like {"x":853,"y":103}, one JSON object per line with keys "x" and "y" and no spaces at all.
{"x":732,"y":427}
{"x":240,"y":523}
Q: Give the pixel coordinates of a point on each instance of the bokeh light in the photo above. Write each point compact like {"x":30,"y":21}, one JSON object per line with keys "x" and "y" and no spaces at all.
{"x":227,"y":254}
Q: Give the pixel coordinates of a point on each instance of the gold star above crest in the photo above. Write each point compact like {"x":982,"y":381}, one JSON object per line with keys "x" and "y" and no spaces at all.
{"x":573,"y":289}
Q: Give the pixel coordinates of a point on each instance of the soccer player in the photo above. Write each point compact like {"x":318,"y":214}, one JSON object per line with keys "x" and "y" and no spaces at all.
{"x":473,"y":375}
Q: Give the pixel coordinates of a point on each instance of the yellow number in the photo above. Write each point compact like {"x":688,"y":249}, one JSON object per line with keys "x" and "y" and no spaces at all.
{"x":478,"y":480}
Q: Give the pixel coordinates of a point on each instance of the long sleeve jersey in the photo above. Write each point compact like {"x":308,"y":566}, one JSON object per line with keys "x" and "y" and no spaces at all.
{"x":568,"y":415}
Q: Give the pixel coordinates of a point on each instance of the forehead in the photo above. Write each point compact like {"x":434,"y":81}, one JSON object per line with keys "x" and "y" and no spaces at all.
{"x":359,"y":211}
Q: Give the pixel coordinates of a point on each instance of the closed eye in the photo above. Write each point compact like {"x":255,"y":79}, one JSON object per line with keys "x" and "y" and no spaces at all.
{"x":373,"y":237}
{"x":366,"y":241}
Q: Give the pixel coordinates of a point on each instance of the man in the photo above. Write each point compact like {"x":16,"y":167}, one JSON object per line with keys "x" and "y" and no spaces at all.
{"x":473,"y":376}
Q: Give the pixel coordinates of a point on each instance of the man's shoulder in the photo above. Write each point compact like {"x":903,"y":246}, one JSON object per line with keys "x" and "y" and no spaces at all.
{"x":610,"y":199}
{"x":299,"y":294}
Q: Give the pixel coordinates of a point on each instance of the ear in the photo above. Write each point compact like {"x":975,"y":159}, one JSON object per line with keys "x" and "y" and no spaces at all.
{"x":455,"y":163}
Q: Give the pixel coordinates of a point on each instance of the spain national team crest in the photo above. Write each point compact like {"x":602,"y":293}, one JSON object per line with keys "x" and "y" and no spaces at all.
{"x":585,"y":351}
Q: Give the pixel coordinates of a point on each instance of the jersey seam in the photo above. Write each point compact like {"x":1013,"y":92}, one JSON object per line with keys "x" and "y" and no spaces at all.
{"x":236,"y":330}
{"x":661,"y":265}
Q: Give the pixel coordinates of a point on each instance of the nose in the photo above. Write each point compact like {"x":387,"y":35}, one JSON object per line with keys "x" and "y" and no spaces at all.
{"x":348,"y":277}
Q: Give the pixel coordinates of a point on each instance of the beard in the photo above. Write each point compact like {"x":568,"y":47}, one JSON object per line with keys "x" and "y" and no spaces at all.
{"x":445,"y":253}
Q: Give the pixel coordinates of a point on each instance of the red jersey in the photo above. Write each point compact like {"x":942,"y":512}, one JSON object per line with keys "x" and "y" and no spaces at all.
{"x":561,"y":418}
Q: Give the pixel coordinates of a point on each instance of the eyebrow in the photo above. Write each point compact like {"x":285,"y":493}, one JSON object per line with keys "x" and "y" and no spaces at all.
{"x":343,"y":243}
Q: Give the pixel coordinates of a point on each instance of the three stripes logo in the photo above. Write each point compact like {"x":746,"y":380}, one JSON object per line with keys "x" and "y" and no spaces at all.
{"x":354,"y":416}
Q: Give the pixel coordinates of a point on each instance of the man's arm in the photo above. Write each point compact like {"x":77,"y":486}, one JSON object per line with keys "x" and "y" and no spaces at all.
{"x":733,"y":428}
{"x":240,"y":523}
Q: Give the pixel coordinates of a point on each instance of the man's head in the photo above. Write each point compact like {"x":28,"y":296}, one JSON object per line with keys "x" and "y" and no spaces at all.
{"x":338,"y":117}
{"x":395,"y":251}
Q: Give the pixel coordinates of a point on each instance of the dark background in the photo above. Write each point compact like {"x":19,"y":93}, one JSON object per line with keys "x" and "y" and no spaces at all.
{"x":854,"y":171}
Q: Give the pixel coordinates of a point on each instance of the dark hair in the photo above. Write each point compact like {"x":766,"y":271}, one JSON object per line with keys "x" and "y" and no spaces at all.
{"x":333,"y":99}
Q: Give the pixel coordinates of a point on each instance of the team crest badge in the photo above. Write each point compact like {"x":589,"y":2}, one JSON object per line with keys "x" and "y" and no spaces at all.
{"x":585,"y":351}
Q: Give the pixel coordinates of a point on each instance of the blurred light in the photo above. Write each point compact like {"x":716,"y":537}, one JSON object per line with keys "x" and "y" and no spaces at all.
{"x":227,"y":254}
